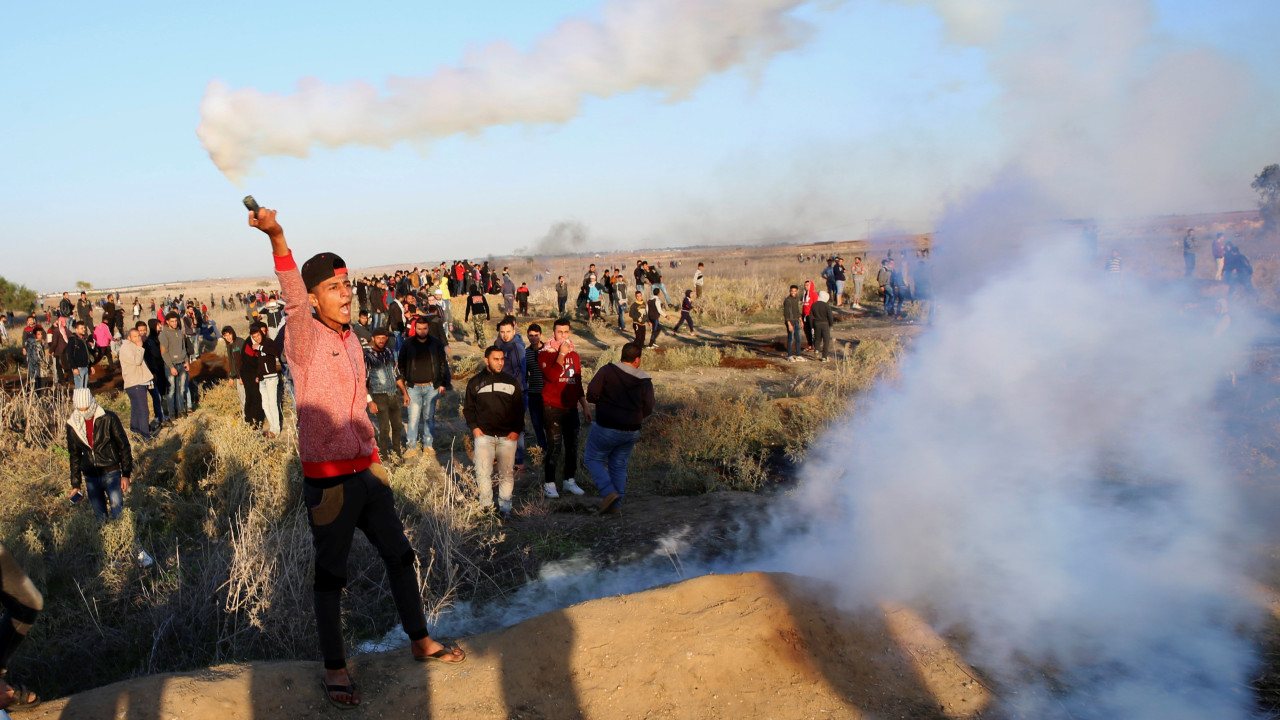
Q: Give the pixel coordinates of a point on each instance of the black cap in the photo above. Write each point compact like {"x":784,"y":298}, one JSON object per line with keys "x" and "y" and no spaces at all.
{"x":320,"y":268}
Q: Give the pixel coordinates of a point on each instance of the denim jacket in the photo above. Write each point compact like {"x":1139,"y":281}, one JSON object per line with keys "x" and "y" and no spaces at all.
{"x":382,"y":371}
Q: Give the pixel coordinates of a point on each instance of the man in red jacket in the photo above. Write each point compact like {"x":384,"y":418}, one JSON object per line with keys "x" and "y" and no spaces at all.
{"x":561,"y":397}
{"x":344,"y":485}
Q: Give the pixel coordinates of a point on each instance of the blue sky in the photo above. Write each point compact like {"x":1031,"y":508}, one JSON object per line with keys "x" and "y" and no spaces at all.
{"x":877,"y":116}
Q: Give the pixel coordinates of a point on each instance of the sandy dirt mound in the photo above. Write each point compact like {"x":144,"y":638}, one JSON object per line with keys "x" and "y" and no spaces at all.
{"x":732,"y":646}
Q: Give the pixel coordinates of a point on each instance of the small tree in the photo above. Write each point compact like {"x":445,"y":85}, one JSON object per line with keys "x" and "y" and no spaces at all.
{"x":84,"y":285}
{"x":1268,"y":186}
{"x":15,"y":297}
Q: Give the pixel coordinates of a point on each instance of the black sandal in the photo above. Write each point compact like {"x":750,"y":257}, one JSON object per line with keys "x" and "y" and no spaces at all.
{"x":350,"y":690}
{"x":23,"y":698}
{"x":446,"y":649}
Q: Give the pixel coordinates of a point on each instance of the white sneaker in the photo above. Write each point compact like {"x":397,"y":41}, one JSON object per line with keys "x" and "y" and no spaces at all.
{"x":549,"y":491}
{"x":572,"y":486}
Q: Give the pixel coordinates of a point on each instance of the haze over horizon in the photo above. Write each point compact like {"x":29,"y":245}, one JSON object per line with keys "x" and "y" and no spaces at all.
{"x":829,"y":114}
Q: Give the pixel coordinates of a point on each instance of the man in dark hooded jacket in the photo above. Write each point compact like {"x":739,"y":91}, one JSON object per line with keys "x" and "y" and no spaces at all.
{"x":623,"y":396}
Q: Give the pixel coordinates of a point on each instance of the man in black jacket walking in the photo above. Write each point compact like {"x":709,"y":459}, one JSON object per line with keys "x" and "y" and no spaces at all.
{"x":494,"y":411}
{"x":99,"y":451}
{"x":623,"y":396}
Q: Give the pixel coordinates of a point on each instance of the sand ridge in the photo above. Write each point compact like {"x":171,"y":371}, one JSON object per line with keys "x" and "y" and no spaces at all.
{"x":751,"y":645}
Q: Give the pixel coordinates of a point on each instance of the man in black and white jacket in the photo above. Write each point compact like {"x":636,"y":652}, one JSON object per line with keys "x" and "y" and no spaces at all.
{"x":494,"y":411}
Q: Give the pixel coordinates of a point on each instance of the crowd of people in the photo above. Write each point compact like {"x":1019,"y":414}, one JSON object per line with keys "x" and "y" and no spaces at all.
{"x":366,"y":391}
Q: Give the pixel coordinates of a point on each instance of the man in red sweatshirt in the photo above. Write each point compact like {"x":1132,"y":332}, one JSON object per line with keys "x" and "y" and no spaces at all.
{"x":562,"y":395}
{"x":345,"y":486}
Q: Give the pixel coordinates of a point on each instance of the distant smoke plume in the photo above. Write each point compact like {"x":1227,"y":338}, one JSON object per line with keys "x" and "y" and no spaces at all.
{"x":666,"y":45}
{"x":564,"y":238}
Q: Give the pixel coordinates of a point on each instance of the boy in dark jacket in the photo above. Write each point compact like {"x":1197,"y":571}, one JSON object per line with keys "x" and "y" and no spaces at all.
{"x":623,"y":396}
{"x":100,"y":454}
{"x":494,"y":411}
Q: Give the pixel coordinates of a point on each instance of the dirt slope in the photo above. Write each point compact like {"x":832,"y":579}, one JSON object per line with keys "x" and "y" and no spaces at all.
{"x":731,"y":646}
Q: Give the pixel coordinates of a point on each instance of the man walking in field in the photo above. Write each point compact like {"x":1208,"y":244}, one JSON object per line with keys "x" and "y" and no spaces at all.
{"x":344,"y":483}
{"x":623,"y":396}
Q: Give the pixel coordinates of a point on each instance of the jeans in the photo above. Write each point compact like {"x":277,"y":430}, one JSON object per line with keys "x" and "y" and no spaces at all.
{"x":422,"y":416}
{"x":157,"y":403}
{"x":560,"y":423}
{"x":839,"y":292}
{"x":397,"y":341}
{"x":177,"y":395}
{"x":606,"y":457}
{"x":659,"y":286}
{"x":533,"y":401}
{"x":1190,"y":260}
{"x":81,"y":378}
{"x":890,"y":301}
{"x":622,"y":311}
{"x":103,"y":490}
{"x":858,"y":281}
{"x":560,"y":301}
{"x":139,"y":418}
{"x":685,"y":317}
{"x":270,"y":389}
{"x":489,"y":447}
{"x":361,"y":501}
{"x":655,"y":329}
{"x":793,"y":340}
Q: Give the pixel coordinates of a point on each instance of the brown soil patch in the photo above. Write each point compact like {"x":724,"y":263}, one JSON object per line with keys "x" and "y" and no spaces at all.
{"x":746,"y":363}
{"x":733,"y":646}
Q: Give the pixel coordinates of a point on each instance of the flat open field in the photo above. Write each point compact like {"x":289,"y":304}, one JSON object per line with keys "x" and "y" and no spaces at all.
{"x":221,"y":625}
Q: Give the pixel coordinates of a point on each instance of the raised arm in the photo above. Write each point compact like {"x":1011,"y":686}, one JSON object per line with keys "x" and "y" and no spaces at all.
{"x":299,"y":338}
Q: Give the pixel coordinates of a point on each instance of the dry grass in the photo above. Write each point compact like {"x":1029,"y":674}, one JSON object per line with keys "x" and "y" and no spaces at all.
{"x":219,"y":508}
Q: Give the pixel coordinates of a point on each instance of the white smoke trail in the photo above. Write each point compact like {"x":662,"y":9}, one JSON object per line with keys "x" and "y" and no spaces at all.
{"x":666,"y":45}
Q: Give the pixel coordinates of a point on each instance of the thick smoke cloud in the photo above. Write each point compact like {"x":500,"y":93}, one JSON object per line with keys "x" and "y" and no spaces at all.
{"x":1046,"y":475}
{"x":670,"y":46}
